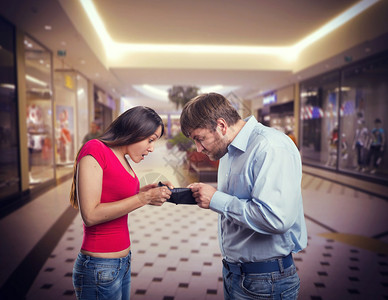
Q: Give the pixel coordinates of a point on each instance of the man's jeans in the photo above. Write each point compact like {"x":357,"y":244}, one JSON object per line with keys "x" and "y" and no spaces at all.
{"x":273,"y":285}
{"x":102,"y":278}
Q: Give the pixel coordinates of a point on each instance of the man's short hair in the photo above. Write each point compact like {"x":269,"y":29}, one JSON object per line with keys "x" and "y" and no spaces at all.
{"x":204,"y":110}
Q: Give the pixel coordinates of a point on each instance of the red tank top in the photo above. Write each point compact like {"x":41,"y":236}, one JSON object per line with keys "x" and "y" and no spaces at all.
{"x":117,"y":184}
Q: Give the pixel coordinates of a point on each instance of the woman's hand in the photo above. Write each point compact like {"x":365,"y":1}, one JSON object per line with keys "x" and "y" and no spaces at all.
{"x":167,"y":183}
{"x":148,"y":187}
{"x":155,"y":196}
{"x":154,"y":185}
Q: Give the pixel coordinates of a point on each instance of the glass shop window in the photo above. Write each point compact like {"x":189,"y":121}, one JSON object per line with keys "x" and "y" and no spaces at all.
{"x":39,"y":113}
{"x":319,"y":119}
{"x":9,"y":138}
{"x":364,"y":118}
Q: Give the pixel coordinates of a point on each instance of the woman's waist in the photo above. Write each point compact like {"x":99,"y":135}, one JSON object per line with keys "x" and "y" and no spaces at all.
{"x":114,"y":254}
{"x":101,"y":243}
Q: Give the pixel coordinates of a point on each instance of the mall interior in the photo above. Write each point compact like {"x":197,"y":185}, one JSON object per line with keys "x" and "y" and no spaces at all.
{"x":65,"y":65}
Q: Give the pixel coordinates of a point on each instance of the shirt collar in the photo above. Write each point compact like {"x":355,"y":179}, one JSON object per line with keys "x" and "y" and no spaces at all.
{"x":241,"y":140}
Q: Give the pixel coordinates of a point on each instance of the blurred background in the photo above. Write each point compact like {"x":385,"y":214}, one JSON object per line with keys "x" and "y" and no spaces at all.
{"x":315,"y":70}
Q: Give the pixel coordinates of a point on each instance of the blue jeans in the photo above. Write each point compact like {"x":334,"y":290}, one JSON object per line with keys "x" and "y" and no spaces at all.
{"x":275,"y":285}
{"x":102,"y":278}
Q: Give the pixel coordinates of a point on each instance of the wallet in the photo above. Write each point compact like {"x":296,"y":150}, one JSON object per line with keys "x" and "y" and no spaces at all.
{"x":180,"y":195}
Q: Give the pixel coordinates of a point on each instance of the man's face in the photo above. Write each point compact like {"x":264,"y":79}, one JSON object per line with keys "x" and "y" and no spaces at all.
{"x":211,"y":143}
{"x":94,"y":127}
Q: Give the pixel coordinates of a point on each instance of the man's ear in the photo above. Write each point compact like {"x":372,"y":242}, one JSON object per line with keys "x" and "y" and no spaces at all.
{"x":222,"y":126}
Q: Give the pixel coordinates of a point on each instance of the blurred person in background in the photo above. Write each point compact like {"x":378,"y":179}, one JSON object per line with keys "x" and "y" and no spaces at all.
{"x":93,"y":133}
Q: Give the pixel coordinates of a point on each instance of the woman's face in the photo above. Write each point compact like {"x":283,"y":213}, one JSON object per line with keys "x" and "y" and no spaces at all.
{"x":139,"y":150}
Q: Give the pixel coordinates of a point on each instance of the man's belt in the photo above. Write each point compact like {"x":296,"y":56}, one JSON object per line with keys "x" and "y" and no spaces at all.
{"x":260,"y":266}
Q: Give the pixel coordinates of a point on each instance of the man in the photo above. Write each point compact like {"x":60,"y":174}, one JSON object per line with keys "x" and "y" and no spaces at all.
{"x":93,"y":134}
{"x":258,"y":198}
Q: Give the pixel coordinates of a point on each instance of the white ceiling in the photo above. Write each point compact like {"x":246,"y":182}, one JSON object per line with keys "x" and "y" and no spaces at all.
{"x":254,"y":23}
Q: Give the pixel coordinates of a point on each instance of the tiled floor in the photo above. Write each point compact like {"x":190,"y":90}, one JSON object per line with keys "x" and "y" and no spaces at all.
{"x":175,"y":253}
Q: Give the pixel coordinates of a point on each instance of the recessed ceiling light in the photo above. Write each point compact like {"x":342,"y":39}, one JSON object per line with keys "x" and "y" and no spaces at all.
{"x":47,"y":27}
{"x":36,"y":80}
{"x":28,"y":44}
{"x":287,"y":52}
{"x":113,"y":49}
{"x":7,"y":86}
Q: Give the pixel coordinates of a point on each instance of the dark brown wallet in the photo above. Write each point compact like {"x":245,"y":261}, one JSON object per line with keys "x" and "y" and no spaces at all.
{"x":180,"y":195}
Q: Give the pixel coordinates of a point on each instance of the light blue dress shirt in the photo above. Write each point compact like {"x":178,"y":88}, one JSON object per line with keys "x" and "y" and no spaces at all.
{"x":259,"y":197}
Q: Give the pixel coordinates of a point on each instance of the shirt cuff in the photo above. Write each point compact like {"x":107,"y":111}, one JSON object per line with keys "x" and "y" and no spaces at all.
{"x":218,"y":202}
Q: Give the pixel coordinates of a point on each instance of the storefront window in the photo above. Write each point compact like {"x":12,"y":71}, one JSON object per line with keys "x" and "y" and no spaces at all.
{"x":39,"y":113}
{"x":364,"y":111}
{"x":9,"y":144}
{"x":83,"y":111}
{"x":319,"y":120}
{"x":65,"y":120}
{"x":103,"y":106}
{"x":344,"y":119}
{"x":282,"y":117}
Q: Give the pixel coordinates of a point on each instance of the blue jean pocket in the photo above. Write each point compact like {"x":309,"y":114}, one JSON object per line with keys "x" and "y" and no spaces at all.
{"x":292,"y":292}
{"x":256,"y":286}
{"x":270,"y":285}
{"x":106,"y":275}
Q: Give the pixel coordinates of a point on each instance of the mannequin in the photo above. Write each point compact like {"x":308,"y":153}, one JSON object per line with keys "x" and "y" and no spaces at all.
{"x":377,"y":146}
{"x":361,"y":144}
{"x":333,"y":147}
{"x":34,"y":136}
{"x":64,"y":137}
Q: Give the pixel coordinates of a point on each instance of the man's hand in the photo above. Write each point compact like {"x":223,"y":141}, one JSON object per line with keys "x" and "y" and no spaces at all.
{"x":202,"y":193}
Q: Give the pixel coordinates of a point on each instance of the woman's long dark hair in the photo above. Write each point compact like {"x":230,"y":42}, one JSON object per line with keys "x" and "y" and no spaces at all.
{"x":132,"y":126}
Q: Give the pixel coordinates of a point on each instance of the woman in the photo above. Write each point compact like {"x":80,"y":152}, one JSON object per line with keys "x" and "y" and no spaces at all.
{"x":105,"y":189}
